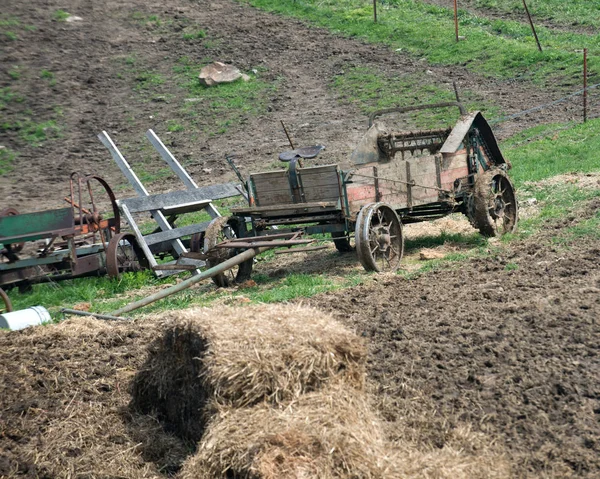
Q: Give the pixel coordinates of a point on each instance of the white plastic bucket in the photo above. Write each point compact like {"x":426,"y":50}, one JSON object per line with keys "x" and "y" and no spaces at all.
{"x":33,"y":316}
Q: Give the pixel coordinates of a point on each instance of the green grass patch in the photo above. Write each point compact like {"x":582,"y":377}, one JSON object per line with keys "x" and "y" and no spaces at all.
{"x":95,"y":291}
{"x":194,"y":35}
{"x":473,"y":239}
{"x":8,"y":96}
{"x":226,"y":104}
{"x":49,"y":76}
{"x":9,"y":22}
{"x":571,"y":12}
{"x":151,"y":21}
{"x":32,"y":132}
{"x":60,"y":15}
{"x":174,"y":126}
{"x":14,"y":73}
{"x":372,"y":91}
{"x":555,"y":152}
{"x":7,"y":158}
{"x":554,"y":201}
{"x":146,"y":80}
{"x":12,"y":36}
{"x":587,"y":228}
{"x":503,"y":49}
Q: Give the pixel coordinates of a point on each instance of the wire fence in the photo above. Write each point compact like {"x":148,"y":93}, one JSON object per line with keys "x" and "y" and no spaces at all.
{"x":545,"y":106}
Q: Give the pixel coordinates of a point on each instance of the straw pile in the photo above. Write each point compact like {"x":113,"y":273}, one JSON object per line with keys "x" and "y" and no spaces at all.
{"x":331,"y":433}
{"x":63,"y":400}
{"x":238,"y":357}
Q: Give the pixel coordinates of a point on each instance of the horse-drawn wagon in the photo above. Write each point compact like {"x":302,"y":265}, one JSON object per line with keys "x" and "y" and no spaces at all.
{"x":397,"y":178}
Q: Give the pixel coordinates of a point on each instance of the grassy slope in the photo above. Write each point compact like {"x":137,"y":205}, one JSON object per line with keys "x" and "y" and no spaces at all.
{"x":565,"y":12}
{"x":504,"y":49}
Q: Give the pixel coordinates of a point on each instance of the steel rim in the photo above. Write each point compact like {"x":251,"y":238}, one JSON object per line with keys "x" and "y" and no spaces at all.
{"x":503,"y":206}
{"x":380,"y":242}
{"x":124,"y":255}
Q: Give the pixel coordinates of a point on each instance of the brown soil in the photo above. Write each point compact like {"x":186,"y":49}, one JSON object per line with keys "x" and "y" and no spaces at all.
{"x":94,"y":90}
{"x":503,"y":349}
{"x":507,"y":344}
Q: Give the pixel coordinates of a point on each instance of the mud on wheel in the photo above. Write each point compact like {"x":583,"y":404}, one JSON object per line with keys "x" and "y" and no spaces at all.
{"x":493,"y":208}
{"x":379,"y":238}
{"x":219,"y":230}
{"x":341,"y":240}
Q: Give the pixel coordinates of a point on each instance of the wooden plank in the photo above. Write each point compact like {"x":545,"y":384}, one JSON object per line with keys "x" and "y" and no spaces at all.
{"x":271,"y":198}
{"x":319,"y":181}
{"x":454,"y":166}
{"x":303,"y":206}
{"x":322,"y":194}
{"x":186,"y":208}
{"x":275,"y":184}
{"x":266,"y":188}
{"x":139,"y":187}
{"x":266,"y":174}
{"x":183,"y":175}
{"x":122,"y":164}
{"x":189,"y":230}
{"x":138,"y":235}
{"x":176,"y":198}
{"x":318,"y":170}
{"x":170,"y":160}
{"x":424,"y":175}
{"x":175,"y":266}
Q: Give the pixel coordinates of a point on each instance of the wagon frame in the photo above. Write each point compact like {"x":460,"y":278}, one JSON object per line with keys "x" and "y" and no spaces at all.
{"x":398,"y":178}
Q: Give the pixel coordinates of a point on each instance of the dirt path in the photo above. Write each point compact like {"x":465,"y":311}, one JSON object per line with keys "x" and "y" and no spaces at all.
{"x":92,"y":88}
{"x":507,"y":345}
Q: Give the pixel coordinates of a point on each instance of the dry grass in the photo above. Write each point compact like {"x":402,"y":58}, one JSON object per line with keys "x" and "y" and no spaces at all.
{"x":333,"y":434}
{"x":63,"y":397}
{"x":326,"y":434}
{"x":242,"y":356}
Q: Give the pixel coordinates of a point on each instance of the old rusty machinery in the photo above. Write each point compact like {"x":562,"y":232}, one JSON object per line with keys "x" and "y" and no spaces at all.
{"x":67,"y":242}
{"x":124,"y":254}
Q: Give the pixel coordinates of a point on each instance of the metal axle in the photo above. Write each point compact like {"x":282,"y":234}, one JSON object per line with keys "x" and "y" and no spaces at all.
{"x":209,"y":273}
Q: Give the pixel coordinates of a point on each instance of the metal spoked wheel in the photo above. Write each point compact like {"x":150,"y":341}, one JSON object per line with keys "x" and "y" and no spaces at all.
{"x":494,"y":204}
{"x":124,"y":254}
{"x":379,"y":238}
{"x":219,"y":230}
{"x":5,"y":304}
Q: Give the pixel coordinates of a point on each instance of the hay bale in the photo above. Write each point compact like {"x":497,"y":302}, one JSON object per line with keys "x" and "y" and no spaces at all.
{"x":326,"y":434}
{"x":333,"y":434}
{"x":465,"y":455}
{"x":242,"y":356}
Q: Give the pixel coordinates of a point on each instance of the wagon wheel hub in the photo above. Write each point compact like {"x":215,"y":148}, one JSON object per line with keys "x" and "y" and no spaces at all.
{"x":498,"y":207}
{"x":383,"y":238}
